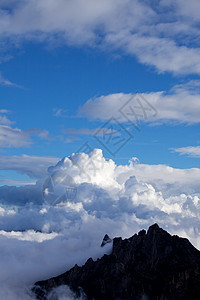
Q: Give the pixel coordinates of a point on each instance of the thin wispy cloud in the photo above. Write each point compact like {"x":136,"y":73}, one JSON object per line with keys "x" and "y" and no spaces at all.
{"x":43,"y":134}
{"x":60,"y":113}
{"x":17,"y":138}
{"x":30,"y":165}
{"x":13,"y":137}
{"x":72,"y":139}
{"x":192,"y":151}
{"x":8,"y":83}
{"x":87,"y":131}
{"x":5,"y":111}
{"x":14,"y":182}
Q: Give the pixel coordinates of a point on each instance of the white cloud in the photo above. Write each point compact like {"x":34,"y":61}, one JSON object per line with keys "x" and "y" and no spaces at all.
{"x":4,"y":111}
{"x":60,"y":112}
{"x":8,"y":83}
{"x":33,"y":166}
{"x":5,"y":121}
{"x":13,"y":137}
{"x":72,"y":139}
{"x":43,"y":134}
{"x":29,"y":235}
{"x":17,"y":182}
{"x":186,"y":9}
{"x":17,"y":138}
{"x":63,"y":293}
{"x":164,"y":35}
{"x":81,"y":131}
{"x":190,"y":150}
{"x":180,"y":105}
{"x":117,"y":200}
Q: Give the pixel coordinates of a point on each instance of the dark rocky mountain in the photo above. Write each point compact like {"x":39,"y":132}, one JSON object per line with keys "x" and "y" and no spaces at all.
{"x":106,"y":240}
{"x":149,"y":265}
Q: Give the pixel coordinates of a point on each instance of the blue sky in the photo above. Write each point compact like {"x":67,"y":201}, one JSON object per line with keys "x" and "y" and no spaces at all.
{"x":55,"y":74}
{"x":120,"y":75}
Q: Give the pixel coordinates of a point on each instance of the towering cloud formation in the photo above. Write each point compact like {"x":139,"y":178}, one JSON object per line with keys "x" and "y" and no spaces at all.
{"x":61,"y":221}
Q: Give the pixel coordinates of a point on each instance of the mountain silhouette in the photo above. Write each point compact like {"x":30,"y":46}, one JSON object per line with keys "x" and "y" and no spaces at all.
{"x":149,"y":265}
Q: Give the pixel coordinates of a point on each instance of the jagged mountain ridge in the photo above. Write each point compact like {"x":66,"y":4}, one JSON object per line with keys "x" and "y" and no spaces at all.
{"x":148,"y":265}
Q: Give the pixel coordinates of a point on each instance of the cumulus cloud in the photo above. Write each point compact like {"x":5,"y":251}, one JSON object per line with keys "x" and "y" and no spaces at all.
{"x":163,"y":34}
{"x":45,"y":229}
{"x":180,"y":105}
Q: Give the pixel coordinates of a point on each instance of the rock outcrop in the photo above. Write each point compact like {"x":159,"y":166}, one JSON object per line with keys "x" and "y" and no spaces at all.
{"x":106,"y":240}
{"x":149,"y":265}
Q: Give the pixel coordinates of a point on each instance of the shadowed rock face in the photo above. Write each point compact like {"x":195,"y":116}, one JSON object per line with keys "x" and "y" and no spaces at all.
{"x":106,"y":240}
{"x":152,"y":265}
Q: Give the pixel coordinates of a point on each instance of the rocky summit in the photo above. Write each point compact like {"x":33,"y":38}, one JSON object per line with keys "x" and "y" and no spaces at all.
{"x":148,"y":265}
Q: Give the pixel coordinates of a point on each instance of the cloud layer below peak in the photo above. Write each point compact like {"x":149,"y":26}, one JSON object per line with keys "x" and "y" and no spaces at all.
{"x":48,"y":227}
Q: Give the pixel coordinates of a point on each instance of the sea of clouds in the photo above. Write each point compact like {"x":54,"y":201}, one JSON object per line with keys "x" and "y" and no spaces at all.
{"x":47,"y":228}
